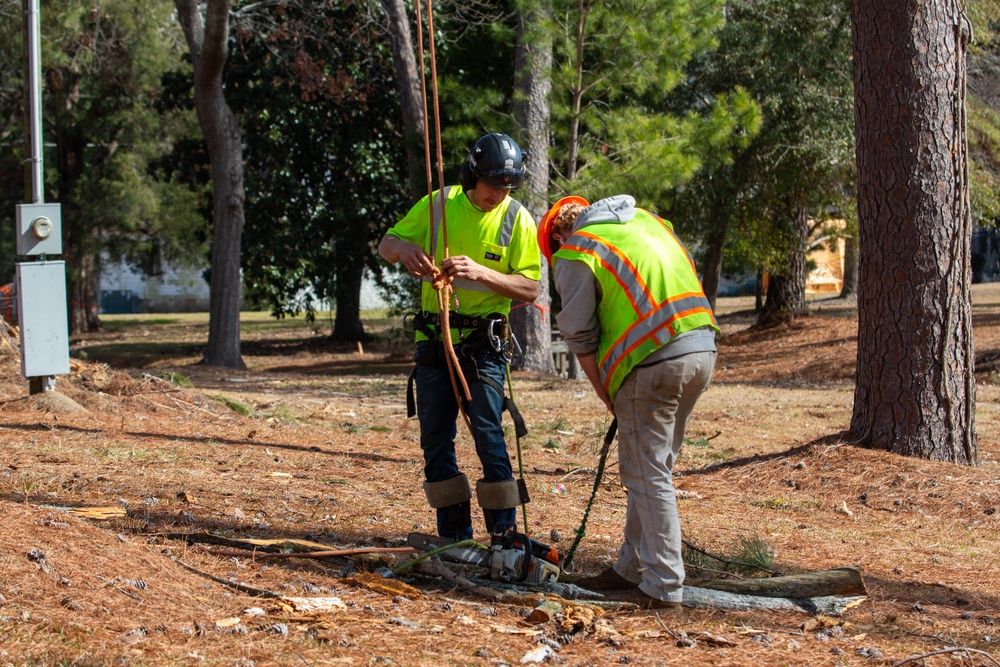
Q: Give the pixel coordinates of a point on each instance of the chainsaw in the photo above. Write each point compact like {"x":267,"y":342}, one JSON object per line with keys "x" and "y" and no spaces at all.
{"x":512,"y":557}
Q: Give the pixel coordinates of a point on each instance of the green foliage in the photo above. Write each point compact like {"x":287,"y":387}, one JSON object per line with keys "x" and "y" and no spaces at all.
{"x":984,"y":167}
{"x":794,"y":60}
{"x":102,"y":66}
{"x":325,"y":168}
{"x":748,"y":553}
{"x":611,"y":128}
{"x":178,"y":379}
{"x":751,"y":548}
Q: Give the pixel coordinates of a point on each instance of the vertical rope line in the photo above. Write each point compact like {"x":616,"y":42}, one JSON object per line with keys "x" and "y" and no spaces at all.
{"x":437,"y":118}
{"x":441,"y":285}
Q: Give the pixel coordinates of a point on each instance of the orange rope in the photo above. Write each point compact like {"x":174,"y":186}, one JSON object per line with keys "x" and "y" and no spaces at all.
{"x":440,"y":283}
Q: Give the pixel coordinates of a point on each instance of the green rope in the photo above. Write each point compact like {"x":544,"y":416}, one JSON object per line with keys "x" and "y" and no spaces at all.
{"x":520,"y":462}
{"x":431,"y":554}
{"x":609,"y":437}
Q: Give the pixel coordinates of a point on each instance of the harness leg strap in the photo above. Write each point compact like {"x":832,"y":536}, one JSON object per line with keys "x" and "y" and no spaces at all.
{"x":452,"y":496}
{"x":501,"y":495}
{"x":449,"y":492}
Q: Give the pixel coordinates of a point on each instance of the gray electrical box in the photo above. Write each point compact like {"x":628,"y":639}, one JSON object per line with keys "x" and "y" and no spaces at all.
{"x":39,"y":229}
{"x":41,"y":311}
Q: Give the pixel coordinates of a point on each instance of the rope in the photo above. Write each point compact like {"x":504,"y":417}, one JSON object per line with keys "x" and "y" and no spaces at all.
{"x":609,"y":437}
{"x":440,"y":284}
{"x":520,"y":461}
{"x":430,"y":554}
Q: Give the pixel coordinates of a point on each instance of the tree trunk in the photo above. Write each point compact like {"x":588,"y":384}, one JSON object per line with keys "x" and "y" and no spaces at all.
{"x":850,"y":287}
{"x":347,"y":325}
{"x":786,"y":289}
{"x":531,"y":323}
{"x":915,"y":390}
{"x":81,"y":294}
{"x":78,"y":232}
{"x":208,"y":42}
{"x":410,"y":97}
{"x":711,"y":268}
{"x":350,"y":258}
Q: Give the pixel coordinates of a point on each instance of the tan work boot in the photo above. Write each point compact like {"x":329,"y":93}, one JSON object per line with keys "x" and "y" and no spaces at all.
{"x":643,"y":600}
{"x":608,"y":580}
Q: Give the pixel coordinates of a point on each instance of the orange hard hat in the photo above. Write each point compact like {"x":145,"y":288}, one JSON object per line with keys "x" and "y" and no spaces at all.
{"x":545,"y":226}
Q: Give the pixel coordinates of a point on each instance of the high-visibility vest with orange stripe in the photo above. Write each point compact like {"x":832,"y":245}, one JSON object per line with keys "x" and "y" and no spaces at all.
{"x":651,"y":292}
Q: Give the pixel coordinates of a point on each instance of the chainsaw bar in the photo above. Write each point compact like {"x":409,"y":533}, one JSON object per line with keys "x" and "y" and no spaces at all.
{"x":469,"y":555}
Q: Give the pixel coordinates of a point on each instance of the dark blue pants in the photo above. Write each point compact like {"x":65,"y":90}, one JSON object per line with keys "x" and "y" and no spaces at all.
{"x":437,"y":411}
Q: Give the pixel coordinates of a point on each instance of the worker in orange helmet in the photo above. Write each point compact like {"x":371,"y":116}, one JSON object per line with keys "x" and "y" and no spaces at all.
{"x":635,"y":315}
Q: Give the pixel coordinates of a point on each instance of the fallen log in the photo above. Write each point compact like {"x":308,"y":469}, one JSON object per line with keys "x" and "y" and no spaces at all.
{"x":831,"y":605}
{"x":839,"y":581}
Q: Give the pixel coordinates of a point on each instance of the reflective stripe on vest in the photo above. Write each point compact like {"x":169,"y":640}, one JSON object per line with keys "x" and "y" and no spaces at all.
{"x":503,"y":238}
{"x":655,"y":321}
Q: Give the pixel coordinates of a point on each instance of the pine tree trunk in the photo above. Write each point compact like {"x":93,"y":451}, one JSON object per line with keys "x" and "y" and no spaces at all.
{"x":531,"y":323}
{"x":915,"y":392}
{"x":849,"y":288}
{"x":81,"y":294}
{"x":711,"y":268}
{"x":786,"y":289}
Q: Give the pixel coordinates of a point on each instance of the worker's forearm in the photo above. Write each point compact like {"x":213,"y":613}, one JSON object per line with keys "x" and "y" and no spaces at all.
{"x":588,"y":363}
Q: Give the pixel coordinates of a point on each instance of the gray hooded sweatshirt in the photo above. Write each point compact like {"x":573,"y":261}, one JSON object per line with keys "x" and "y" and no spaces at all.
{"x":581,"y":293}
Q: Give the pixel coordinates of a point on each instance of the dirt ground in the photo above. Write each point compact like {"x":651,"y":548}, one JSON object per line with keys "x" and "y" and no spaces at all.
{"x":325,"y":453}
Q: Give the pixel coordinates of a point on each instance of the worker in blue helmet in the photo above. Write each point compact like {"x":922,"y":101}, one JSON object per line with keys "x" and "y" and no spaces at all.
{"x":492,"y":260}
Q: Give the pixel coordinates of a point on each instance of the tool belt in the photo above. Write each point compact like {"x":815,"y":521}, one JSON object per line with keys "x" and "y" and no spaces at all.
{"x":491,"y":334}
{"x":491,"y":329}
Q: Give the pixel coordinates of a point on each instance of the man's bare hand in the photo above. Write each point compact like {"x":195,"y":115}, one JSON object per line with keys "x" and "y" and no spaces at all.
{"x":412,"y":256}
{"x":461,"y":266}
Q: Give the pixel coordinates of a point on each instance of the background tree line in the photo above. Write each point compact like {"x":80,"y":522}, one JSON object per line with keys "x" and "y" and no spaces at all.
{"x":282,"y":138}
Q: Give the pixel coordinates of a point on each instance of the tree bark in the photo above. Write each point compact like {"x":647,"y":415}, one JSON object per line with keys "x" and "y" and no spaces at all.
{"x":82,"y":261}
{"x":410,"y":97}
{"x":850,"y":285}
{"x":838,"y":581}
{"x":208,"y":41}
{"x":711,"y":268}
{"x":786,"y":289}
{"x":531,"y":323}
{"x":915,"y":392}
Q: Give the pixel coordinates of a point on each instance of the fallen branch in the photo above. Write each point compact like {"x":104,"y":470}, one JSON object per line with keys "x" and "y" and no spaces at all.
{"x":330,"y":553}
{"x":831,"y":605}
{"x":435,"y":568}
{"x":243,"y":588}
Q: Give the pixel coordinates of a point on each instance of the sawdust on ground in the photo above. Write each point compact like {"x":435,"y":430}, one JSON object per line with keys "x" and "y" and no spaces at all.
{"x":325,"y":454}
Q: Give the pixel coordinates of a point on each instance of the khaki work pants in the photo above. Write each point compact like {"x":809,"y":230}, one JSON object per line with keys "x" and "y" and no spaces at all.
{"x":653,"y":407}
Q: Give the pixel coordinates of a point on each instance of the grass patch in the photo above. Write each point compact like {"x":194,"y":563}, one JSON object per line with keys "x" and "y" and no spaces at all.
{"x":177,"y":379}
{"x":234,"y":405}
{"x":807,"y":504}
{"x":747,"y":555}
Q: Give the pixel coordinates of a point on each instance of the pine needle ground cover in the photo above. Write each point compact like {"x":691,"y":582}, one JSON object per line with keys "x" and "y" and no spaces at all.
{"x":126,"y":511}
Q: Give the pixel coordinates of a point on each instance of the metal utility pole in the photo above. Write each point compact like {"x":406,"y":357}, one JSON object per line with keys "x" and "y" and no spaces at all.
{"x":41,"y":285}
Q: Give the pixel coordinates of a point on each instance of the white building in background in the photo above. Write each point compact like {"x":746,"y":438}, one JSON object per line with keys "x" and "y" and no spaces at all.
{"x":179,"y":290}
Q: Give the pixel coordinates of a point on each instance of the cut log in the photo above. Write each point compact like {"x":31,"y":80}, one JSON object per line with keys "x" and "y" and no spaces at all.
{"x":831,"y":605}
{"x":839,"y":581}
{"x":544,"y":612}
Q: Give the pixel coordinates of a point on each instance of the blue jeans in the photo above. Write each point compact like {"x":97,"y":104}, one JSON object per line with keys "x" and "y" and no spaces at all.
{"x":437,"y":411}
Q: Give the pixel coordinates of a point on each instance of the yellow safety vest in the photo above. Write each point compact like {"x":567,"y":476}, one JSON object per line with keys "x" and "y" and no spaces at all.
{"x":651,"y":292}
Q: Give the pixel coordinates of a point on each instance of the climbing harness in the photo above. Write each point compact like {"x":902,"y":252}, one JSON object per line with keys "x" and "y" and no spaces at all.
{"x":493,"y":331}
